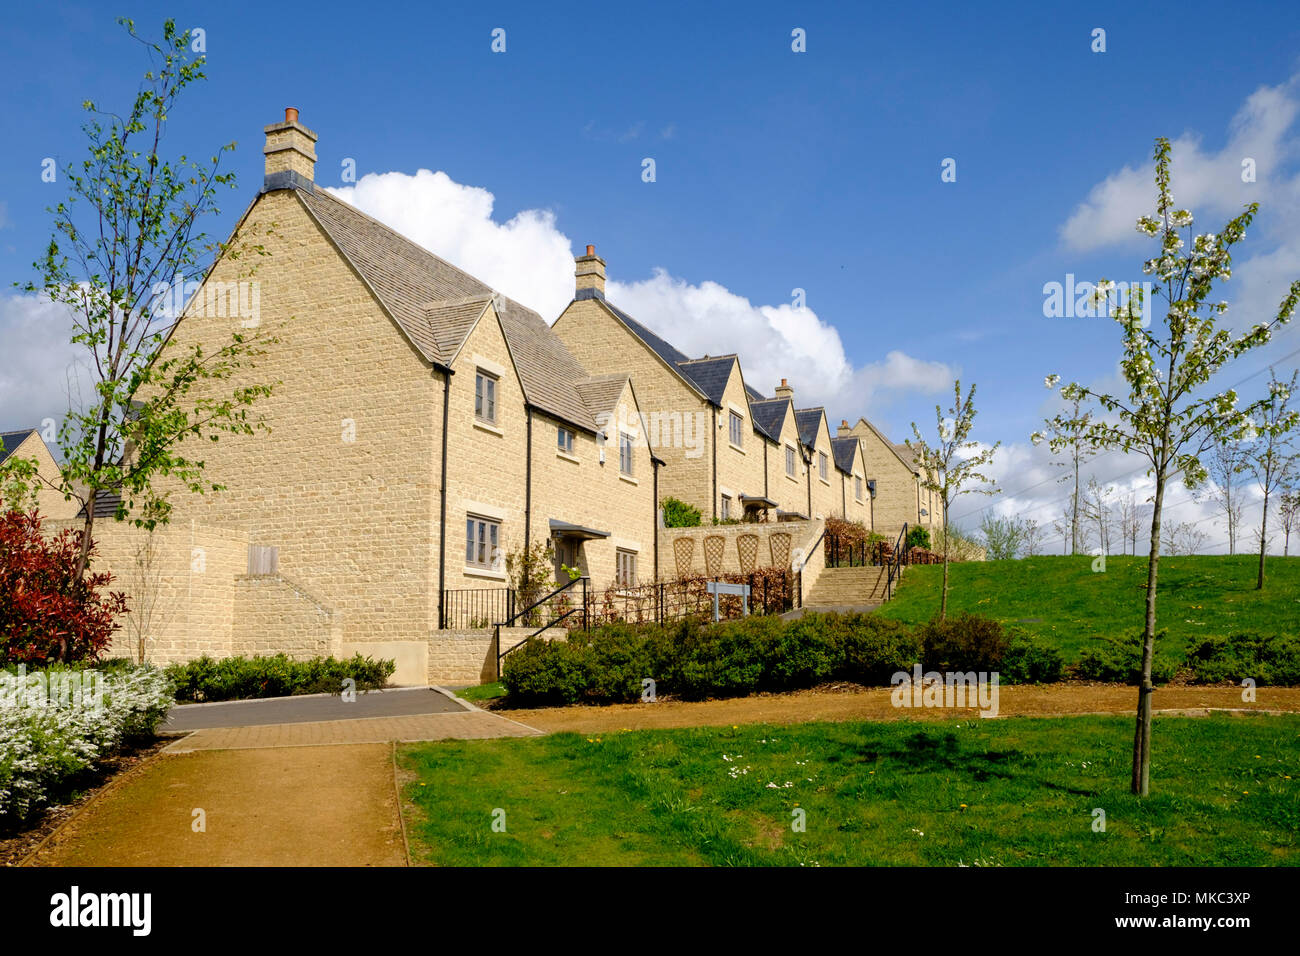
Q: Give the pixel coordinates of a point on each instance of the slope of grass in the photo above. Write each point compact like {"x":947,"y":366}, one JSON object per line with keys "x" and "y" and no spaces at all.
{"x":1008,"y":792}
{"x":1062,"y":599}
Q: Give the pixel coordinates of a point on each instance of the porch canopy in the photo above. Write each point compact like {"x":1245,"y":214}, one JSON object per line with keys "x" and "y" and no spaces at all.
{"x":565,"y":529}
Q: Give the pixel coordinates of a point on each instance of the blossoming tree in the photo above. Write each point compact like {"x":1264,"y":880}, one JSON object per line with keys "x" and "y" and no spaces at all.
{"x":952,"y":464}
{"x":1170,"y":417}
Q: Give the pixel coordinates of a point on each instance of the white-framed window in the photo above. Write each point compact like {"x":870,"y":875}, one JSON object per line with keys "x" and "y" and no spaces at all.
{"x":564,"y":440}
{"x":726,"y":507}
{"x":625,"y":460}
{"x":736,"y":426}
{"x":485,"y":396}
{"x":625,"y":568}
{"x":857,"y":487}
{"x":789,"y":460}
{"x":823,"y":466}
{"x":482,"y":542}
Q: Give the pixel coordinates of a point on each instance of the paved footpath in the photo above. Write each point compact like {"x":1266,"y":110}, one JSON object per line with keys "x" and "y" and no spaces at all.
{"x":300,"y":793}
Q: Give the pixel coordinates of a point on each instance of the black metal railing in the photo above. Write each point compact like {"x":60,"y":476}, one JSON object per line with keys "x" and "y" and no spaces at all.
{"x":476,"y":607}
{"x":559,"y":604}
{"x":896,"y":564}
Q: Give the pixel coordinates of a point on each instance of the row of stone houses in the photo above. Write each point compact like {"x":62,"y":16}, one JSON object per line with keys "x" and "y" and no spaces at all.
{"x":422,"y":426}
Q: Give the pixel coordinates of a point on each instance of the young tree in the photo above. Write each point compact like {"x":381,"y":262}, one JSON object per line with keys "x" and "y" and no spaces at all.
{"x":1272,"y":459}
{"x":1227,"y":460}
{"x":1031,"y":535}
{"x":1288,"y":509}
{"x":130,"y":226}
{"x":1168,"y":416}
{"x":950,"y":467}
{"x":1002,"y":537}
{"x":1131,"y":515}
{"x":1077,"y":453}
{"x":1097,"y":509}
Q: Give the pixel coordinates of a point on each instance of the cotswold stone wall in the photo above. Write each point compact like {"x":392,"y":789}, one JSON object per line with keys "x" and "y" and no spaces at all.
{"x":798,"y":534}
{"x":273,"y":615}
{"x":469,"y":656}
{"x":179,"y":581}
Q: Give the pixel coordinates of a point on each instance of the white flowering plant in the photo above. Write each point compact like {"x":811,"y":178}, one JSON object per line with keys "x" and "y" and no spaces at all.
{"x":1169,"y":416}
{"x":46,"y":740}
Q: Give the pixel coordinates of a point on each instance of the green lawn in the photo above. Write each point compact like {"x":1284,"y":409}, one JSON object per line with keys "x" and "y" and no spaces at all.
{"x":482,"y":692}
{"x":1064,"y":600}
{"x":1004,"y":792}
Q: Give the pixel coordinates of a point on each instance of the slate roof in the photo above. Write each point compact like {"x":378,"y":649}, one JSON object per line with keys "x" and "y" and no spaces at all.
{"x":768,"y":415}
{"x":807,"y":420}
{"x":657,"y":345}
{"x":709,"y":375}
{"x":844,"y":449}
{"x":601,"y":392}
{"x":437,"y":305}
{"x":12,"y":440}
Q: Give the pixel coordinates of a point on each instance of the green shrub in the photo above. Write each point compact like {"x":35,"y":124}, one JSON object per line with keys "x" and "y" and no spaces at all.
{"x":1030,"y":660}
{"x":1266,"y":659}
{"x":679,"y":514}
{"x":1116,"y":659}
{"x":918,"y":536}
{"x":964,"y":642}
{"x":868,"y":649}
{"x":545,"y":673}
{"x":242,"y":678}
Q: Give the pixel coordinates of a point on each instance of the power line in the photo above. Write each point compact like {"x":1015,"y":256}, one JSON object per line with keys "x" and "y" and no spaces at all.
{"x":1111,"y":451}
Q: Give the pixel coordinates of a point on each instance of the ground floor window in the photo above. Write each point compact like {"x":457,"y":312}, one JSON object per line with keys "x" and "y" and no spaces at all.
{"x":482,"y":542}
{"x":726,"y":507}
{"x":625,"y":570}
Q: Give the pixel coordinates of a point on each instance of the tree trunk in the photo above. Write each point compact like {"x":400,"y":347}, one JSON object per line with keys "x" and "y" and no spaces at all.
{"x":943,"y":600}
{"x":1141,"y":781}
{"x":1263,"y":543}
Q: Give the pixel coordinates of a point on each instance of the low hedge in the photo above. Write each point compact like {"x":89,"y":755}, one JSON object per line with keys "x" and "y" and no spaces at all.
{"x":763,"y":653}
{"x":1265,"y":659}
{"x":241,"y":678}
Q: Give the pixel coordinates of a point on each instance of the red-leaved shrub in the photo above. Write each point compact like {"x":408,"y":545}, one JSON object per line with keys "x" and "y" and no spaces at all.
{"x":47,"y":614}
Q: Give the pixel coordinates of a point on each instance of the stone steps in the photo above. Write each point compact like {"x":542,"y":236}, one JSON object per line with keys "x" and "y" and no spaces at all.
{"x":848,"y":587}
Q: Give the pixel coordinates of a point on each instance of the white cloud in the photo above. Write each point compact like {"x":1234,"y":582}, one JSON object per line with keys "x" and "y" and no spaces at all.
{"x":531,"y":260}
{"x":41,"y":368}
{"x":526,"y":257}
{"x":1204,"y":182}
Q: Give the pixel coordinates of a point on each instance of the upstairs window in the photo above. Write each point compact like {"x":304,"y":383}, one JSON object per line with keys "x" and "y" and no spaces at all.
{"x":789,"y":461}
{"x":737,"y":432}
{"x":822,"y":466}
{"x":625,"y":453}
{"x":857,"y":487}
{"x":485,"y":397}
{"x":564,"y":440}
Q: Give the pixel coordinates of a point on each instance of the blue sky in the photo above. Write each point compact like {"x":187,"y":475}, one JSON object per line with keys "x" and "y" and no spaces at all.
{"x":775,"y":170}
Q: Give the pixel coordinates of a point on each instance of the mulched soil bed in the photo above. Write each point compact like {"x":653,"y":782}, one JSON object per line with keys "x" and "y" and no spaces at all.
{"x":17,"y":842}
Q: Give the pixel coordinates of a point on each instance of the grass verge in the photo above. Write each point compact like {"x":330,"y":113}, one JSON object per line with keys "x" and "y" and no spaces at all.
{"x":1063,"y":600}
{"x":1226,"y":791}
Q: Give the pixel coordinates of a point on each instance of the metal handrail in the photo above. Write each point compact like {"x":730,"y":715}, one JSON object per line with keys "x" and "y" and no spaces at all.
{"x":896,"y":565}
{"x":804,"y":563}
{"x":496,"y":628}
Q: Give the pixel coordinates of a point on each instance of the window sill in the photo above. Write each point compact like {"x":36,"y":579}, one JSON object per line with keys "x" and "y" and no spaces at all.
{"x":628,"y":479}
{"x":488,"y":427}
{"x":567,"y":457}
{"x":485,"y":573}
{"x":790,"y":477}
{"x":824,"y":481}
{"x":735,"y":447}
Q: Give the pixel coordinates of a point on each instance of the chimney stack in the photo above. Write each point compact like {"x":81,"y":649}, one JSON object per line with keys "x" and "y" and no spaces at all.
{"x":290,"y":152}
{"x":590,"y":273}
{"x":843,"y":431}
{"x":784,"y":390}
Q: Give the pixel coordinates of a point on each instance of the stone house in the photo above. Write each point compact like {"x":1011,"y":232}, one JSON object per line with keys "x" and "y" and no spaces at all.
{"x":422,"y":426}
{"x":731,"y":451}
{"x":28,"y":444}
